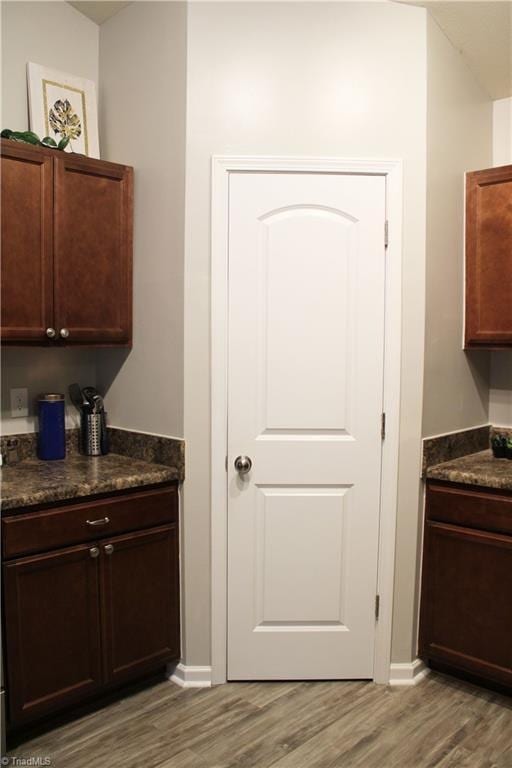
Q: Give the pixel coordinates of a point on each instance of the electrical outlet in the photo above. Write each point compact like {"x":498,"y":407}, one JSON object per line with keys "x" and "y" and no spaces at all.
{"x":19,"y":402}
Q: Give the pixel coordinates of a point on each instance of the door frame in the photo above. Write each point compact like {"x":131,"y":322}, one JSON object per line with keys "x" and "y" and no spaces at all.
{"x":221,"y":168}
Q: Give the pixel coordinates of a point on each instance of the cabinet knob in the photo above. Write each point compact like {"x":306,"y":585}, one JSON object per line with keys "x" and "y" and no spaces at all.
{"x":109,"y":548}
{"x":50,"y":332}
{"x":64,"y":333}
{"x":94,"y":551}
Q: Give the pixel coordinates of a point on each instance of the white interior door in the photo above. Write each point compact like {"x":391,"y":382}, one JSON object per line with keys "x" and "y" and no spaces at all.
{"x":305,"y":384}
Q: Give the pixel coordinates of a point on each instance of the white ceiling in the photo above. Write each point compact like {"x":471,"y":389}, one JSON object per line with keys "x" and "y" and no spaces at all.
{"x":481,"y":31}
{"x":99,"y":11}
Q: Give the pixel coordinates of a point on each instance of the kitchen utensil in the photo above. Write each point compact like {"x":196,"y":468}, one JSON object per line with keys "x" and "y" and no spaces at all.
{"x":77,"y":397}
{"x":93,"y":420}
{"x":98,"y":403}
{"x":94,"y":398}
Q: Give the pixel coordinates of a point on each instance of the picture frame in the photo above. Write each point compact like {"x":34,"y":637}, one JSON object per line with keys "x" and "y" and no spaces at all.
{"x":62,"y":105}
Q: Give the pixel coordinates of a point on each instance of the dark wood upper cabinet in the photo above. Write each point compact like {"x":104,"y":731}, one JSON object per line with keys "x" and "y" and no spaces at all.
{"x":53,"y":640}
{"x":67,"y":224}
{"x":27,"y":243}
{"x":489,"y":258}
{"x":92,"y":249}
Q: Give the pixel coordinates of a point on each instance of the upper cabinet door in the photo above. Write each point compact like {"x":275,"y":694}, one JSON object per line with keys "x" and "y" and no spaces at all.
{"x":93,"y":251}
{"x":27,"y":207}
{"x":489,"y":258}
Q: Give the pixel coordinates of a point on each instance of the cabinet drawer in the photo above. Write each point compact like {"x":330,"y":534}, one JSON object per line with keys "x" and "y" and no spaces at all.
{"x":87,"y":521}
{"x":473,"y":509}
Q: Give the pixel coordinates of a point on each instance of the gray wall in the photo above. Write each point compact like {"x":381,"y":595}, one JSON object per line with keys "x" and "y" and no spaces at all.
{"x":56,"y":35}
{"x":50,"y":33}
{"x":328,"y":79}
{"x":500,"y":395}
{"x":142,"y":113}
{"x":459,"y":138}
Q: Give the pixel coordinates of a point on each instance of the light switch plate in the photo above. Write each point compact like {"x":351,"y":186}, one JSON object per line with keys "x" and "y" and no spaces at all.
{"x":19,"y":402}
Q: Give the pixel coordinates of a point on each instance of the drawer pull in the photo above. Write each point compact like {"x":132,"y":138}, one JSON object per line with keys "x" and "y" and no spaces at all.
{"x":109,"y":548}
{"x":100,"y":521}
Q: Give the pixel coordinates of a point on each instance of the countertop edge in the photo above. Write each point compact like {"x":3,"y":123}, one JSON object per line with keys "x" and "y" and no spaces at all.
{"x":468,"y":478}
{"x":76,"y":492}
{"x":457,"y":471}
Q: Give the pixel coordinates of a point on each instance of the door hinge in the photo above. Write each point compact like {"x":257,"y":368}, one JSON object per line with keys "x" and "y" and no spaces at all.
{"x":383,"y":426}
{"x":226,"y":464}
{"x":377,"y":606}
{"x":386,"y":233}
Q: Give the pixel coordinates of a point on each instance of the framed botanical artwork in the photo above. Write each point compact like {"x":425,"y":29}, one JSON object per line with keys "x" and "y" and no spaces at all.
{"x":63,"y":106}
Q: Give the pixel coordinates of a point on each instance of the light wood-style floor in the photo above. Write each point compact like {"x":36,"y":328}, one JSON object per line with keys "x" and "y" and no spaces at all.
{"x":441,"y":723}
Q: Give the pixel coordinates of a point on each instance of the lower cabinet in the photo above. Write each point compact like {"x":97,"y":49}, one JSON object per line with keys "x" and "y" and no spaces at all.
{"x":466,"y":604}
{"x":53,"y":638}
{"x":139,"y":589}
{"x":82,"y":619}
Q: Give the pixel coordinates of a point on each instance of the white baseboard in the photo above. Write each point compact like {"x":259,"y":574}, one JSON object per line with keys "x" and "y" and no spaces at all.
{"x":187,"y":676}
{"x":408,"y":674}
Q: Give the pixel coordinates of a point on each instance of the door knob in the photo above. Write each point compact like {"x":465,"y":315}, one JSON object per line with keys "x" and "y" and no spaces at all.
{"x":64,"y":333}
{"x":109,"y":548}
{"x":50,"y":332}
{"x":243,"y":465}
{"x":94,"y":551}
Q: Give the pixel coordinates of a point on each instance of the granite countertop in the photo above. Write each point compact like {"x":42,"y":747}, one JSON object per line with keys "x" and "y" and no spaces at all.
{"x":32,"y":481}
{"x":475,"y":469}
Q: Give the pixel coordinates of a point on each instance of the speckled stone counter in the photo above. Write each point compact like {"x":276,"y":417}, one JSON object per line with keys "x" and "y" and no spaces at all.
{"x":454,"y":445}
{"x":32,"y":481}
{"x":153,"y":448}
{"x":480,"y":469}
{"x":137,"y":459}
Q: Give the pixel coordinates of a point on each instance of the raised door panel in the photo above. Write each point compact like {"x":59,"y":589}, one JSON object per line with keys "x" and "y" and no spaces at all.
{"x":489,"y":257}
{"x":52,"y":621}
{"x":27,"y":204}
{"x":140,"y":601}
{"x":93,"y":250}
{"x":466,"y":619}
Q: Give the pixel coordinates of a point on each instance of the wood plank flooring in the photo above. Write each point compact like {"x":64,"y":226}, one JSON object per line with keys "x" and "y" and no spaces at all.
{"x":440,"y":723}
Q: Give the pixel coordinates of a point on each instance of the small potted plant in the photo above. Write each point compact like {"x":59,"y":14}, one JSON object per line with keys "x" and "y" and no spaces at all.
{"x":509,"y":447}
{"x":29,"y":137}
{"x":499,"y":447}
